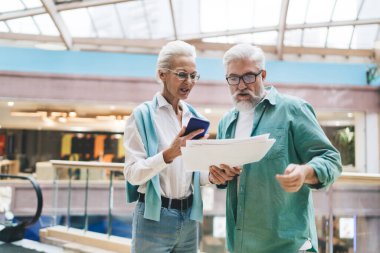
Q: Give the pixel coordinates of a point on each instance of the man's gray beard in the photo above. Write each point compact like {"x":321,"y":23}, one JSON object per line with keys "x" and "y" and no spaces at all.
{"x":246,"y":105}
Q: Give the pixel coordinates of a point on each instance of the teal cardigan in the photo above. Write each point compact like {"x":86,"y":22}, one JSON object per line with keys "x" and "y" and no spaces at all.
{"x":143,"y":116}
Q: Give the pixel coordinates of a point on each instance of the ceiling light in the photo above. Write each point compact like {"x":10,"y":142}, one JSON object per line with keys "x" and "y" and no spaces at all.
{"x":29,"y":114}
{"x":48,"y":122}
{"x":110,"y":117}
{"x":117,"y":136}
{"x":56,"y":114}
{"x":72,"y":114}
{"x":350,"y":115}
{"x":207,"y":110}
{"x":62,"y":119}
{"x":79,"y":129}
{"x":11,"y":103}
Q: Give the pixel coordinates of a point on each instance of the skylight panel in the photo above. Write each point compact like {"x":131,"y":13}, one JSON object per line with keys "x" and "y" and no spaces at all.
{"x":240,"y":14}
{"x":364,"y":36}
{"x":241,"y":38}
{"x":265,"y":38}
{"x":319,"y":11}
{"x":133,"y":21}
{"x":315,"y":37}
{"x":32,"y":3}
{"x":346,"y":10}
{"x":10,"y":5}
{"x":78,"y":23}
{"x":339,"y":37}
{"x":220,"y":39}
{"x":293,"y":38}
{"x":212,"y":20}
{"x":23,"y":25}
{"x":160,"y":19}
{"x":105,"y":21}
{"x":46,"y":25}
{"x":371,"y":9}
{"x":183,"y":12}
{"x":266,"y":13}
{"x":296,"y":11}
{"x":3,"y":27}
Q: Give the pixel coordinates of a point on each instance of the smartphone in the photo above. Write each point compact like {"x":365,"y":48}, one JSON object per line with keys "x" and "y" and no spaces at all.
{"x":195,"y":124}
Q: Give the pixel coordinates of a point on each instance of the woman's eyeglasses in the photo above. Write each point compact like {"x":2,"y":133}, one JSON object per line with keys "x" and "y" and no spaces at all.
{"x":183,"y":75}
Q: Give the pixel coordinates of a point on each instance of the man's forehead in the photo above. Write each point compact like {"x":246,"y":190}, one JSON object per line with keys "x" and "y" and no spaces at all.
{"x":242,"y":65}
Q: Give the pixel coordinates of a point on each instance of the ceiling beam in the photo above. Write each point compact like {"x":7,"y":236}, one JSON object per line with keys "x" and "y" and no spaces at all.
{"x":21,"y":14}
{"x":276,"y":28}
{"x":335,"y":23}
{"x":281,"y":28}
{"x":51,"y":9}
{"x":30,"y":37}
{"x":329,"y":51}
{"x":227,"y":33}
{"x":88,"y":3}
{"x":148,"y":43}
{"x":173,"y":20}
{"x":211,"y":46}
{"x":201,"y":46}
{"x":60,"y":7}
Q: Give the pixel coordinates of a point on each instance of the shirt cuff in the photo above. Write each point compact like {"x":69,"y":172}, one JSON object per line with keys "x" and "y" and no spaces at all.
{"x":158,"y":161}
{"x":204,"y":178}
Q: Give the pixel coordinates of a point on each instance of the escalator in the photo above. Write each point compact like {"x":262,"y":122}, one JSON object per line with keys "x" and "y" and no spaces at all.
{"x":12,"y":233}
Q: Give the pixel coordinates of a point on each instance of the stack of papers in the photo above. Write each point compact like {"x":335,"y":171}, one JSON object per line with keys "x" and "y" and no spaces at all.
{"x":198,"y":155}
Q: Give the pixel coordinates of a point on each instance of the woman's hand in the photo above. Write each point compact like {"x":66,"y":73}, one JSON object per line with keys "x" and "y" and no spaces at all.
{"x":180,"y":141}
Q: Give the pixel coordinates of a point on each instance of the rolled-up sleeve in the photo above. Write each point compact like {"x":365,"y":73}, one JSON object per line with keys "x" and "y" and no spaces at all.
{"x":138,"y":168}
{"x":314,"y":148}
{"x":204,"y":178}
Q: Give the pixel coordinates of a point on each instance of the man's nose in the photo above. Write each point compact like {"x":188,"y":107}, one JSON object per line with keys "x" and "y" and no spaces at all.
{"x":241,"y":85}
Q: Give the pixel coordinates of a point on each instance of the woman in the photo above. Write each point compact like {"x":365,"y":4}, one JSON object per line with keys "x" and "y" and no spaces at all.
{"x":169,"y":200}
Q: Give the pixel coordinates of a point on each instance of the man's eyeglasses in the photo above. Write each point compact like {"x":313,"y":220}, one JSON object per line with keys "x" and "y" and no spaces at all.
{"x":182,"y":75}
{"x":247,"y":78}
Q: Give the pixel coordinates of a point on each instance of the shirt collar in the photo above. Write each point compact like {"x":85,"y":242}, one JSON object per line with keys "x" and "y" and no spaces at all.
{"x":162,"y":102}
{"x":271,"y":95}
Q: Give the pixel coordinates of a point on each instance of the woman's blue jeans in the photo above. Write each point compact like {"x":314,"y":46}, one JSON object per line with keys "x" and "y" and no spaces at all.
{"x":174,"y":233}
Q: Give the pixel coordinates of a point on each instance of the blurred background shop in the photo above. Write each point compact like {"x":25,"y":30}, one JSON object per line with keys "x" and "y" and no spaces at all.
{"x":71,"y":72}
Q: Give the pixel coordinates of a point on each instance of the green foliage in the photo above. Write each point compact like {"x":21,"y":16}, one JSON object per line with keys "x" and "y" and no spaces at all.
{"x":344,"y":141}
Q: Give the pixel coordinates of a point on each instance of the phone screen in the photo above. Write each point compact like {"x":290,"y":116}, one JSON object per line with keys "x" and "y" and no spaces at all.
{"x":195,"y":124}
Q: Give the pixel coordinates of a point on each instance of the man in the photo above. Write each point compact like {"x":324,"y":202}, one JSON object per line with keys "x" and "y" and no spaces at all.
{"x":269,"y":206}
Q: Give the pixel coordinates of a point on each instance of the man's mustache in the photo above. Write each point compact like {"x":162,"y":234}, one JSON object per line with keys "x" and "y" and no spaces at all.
{"x":247,"y":92}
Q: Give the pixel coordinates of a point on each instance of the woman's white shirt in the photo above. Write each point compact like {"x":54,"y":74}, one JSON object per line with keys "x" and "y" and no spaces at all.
{"x":175,"y":181}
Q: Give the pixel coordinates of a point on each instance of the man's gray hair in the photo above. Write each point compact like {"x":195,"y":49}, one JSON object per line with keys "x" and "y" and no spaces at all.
{"x":244,"y":51}
{"x":170,"y":51}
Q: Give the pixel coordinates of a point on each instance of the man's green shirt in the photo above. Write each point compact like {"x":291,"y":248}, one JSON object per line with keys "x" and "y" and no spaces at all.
{"x":261,"y":216}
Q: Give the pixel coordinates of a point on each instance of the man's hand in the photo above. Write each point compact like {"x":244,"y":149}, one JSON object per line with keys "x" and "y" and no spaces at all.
{"x":180,"y":141}
{"x":295,"y":176}
{"x":222,"y":174}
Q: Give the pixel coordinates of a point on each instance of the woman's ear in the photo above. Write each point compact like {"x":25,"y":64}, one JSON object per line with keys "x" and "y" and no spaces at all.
{"x":161,"y":75}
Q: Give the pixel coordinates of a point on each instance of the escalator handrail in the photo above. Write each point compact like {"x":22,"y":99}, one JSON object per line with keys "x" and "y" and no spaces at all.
{"x":37,"y":189}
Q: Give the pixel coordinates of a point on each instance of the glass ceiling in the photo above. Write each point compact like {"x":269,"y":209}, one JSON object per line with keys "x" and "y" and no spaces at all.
{"x":346,"y":28}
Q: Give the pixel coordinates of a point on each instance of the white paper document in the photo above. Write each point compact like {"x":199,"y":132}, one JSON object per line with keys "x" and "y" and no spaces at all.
{"x":198,"y":155}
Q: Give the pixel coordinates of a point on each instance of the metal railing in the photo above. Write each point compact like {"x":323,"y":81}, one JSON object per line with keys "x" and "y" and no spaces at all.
{"x":354,"y":196}
{"x":70,"y":166}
